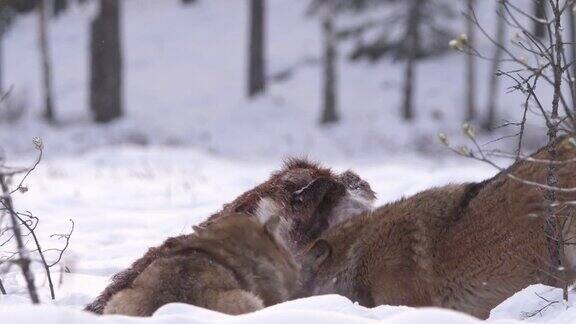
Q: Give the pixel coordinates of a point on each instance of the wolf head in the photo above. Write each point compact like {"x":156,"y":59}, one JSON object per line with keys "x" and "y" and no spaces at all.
{"x":312,"y":198}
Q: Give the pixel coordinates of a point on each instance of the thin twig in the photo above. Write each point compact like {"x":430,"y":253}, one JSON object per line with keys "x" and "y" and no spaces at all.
{"x":24,"y":260}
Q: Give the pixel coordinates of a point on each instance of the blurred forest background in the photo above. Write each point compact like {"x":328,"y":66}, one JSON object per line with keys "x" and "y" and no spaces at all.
{"x":255,"y":79}
{"x":147,"y":115}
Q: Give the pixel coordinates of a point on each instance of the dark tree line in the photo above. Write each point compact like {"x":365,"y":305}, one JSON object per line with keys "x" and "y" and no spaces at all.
{"x":105,"y":54}
{"x":420,"y":38}
{"x":422,"y":34}
{"x":407,"y":31}
{"x":106,"y":72}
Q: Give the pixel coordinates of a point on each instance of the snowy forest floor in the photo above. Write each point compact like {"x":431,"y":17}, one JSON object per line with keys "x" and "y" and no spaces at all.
{"x":124,"y":200}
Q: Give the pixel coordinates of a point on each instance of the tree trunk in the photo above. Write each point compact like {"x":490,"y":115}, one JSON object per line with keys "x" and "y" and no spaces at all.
{"x":45,"y":62}
{"x":1,"y":63}
{"x":493,"y":85}
{"x":5,"y":21}
{"x":553,"y":226}
{"x":539,"y":12}
{"x":106,"y":63}
{"x":572,"y":45}
{"x":470,"y":69}
{"x":3,"y":27}
{"x":329,"y":112}
{"x":413,"y":39}
{"x":2,"y":289}
{"x":256,"y":67}
{"x":59,"y":6}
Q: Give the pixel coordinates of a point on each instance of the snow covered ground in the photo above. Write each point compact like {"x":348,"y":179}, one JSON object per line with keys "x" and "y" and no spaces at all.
{"x":126,"y":199}
{"x":322,"y":309}
{"x":190,"y":142}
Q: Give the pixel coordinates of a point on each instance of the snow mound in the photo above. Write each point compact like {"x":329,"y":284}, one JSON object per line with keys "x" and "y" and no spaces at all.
{"x":318,"y":310}
{"x":539,"y":304}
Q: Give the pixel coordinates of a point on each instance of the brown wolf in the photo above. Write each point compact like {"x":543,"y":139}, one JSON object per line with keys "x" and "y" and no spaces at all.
{"x":236,"y":265}
{"x":466,"y":247}
{"x":312,"y":198}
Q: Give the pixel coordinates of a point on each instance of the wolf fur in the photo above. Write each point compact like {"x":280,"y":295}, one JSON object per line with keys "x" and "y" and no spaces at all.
{"x":467,"y":247}
{"x":308,"y":195}
{"x":235,"y":266}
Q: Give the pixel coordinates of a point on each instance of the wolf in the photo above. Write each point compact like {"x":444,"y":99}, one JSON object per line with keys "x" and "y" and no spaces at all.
{"x":312,"y":198}
{"x":466,"y":247}
{"x":238,"y":265}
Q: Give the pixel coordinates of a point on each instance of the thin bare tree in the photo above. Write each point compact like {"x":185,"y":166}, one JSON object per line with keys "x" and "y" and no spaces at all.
{"x":2,"y":289}
{"x":23,"y":225}
{"x":106,"y":99}
{"x":413,"y":44}
{"x":4,"y":22}
{"x":572,"y":43}
{"x":45,"y":61}
{"x":489,"y":122}
{"x":256,"y":48}
{"x":329,"y":102}
{"x":470,"y":69}
{"x":23,"y":253}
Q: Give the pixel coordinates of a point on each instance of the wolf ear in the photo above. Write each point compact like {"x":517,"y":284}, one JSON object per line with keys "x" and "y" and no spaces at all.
{"x":317,"y":192}
{"x":318,"y":253}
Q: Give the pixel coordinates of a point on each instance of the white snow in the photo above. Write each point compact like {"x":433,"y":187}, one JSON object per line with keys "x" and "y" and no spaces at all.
{"x":190,"y":142}
{"x":538,"y":303}
{"x":344,"y":312}
{"x":316,"y":310}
